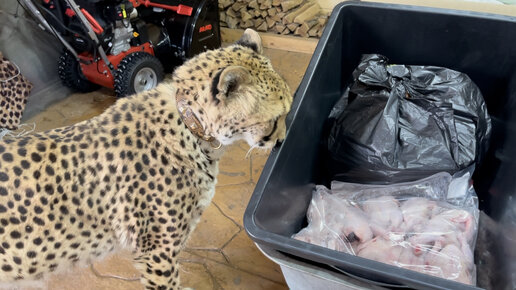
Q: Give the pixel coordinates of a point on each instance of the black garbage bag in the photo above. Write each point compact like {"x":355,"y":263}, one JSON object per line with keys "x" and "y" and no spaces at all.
{"x":399,"y":123}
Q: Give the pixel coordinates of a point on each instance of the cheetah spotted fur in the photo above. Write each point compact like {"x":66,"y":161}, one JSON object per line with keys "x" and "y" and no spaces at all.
{"x":135,"y":176}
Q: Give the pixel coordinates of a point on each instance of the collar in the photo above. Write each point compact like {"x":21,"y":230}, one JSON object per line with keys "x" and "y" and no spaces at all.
{"x":192,"y":122}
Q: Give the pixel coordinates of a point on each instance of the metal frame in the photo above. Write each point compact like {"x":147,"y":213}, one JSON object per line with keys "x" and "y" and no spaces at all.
{"x":46,"y":26}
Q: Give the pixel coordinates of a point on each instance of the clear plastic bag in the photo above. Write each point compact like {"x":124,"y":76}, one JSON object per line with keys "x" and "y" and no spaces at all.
{"x":429,"y":226}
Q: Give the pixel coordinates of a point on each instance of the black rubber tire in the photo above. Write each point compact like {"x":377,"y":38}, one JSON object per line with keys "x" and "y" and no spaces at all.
{"x":130,"y":66}
{"x":71,"y":74}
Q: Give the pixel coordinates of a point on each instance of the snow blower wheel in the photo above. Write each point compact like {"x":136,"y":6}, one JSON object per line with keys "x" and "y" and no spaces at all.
{"x":136,"y":73}
{"x":71,"y":74}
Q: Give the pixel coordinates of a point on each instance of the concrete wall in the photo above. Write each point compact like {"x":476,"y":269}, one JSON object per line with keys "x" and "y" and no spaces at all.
{"x":36,"y":53}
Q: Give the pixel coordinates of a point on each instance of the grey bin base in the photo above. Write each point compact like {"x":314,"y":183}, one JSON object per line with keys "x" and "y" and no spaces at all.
{"x":304,"y":276}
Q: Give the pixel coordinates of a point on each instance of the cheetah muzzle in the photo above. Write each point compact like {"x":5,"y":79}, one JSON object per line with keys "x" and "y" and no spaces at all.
{"x":135,"y":176}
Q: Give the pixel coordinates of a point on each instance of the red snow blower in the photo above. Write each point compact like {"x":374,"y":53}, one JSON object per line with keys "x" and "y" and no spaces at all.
{"x":126,"y":45}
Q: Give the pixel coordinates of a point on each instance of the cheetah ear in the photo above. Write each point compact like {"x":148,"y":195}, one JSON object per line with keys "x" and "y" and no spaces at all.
{"x":252,"y":40}
{"x":230,"y":79}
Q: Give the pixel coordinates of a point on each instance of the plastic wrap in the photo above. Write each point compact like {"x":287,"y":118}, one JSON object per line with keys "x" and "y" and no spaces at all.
{"x":425,"y":226}
{"x":399,"y":123}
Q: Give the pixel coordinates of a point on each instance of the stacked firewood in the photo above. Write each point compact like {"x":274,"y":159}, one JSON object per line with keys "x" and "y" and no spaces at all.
{"x":298,"y":17}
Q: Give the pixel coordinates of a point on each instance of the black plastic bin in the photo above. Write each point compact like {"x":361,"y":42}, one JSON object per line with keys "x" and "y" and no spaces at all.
{"x":481,"y":45}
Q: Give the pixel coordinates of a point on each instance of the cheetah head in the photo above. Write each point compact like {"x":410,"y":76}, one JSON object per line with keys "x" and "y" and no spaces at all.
{"x":236,"y":94}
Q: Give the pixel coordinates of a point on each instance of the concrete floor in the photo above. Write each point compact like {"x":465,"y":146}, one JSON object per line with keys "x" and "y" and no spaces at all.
{"x":219,"y":255}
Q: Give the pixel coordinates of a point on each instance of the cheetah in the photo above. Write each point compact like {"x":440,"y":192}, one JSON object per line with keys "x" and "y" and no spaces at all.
{"x":139,"y":175}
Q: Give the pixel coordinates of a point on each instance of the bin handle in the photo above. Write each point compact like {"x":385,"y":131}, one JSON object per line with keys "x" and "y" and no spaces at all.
{"x":368,"y":280}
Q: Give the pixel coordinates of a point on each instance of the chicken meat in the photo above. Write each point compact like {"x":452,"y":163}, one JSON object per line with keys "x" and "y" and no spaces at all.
{"x":384,"y":211}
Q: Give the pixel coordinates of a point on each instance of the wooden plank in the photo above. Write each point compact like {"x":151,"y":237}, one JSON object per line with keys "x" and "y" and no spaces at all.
{"x":254,"y":4}
{"x":314,"y":30}
{"x":258,"y":22}
{"x":292,"y":26}
{"x":323,"y":19}
{"x":328,"y":5}
{"x":246,"y":16}
{"x":320,"y":31}
{"x":289,"y":18}
{"x":307,"y":25}
{"x":246,"y":24}
{"x":270,"y":22}
{"x":272,"y":40}
{"x":232,"y":22}
{"x":289,"y":4}
{"x":238,"y":5}
{"x":231,"y":12}
{"x":225,"y":3}
{"x":262,"y":27}
{"x":308,"y":14}
{"x":222,"y":16}
{"x":279,"y":28}
{"x":301,"y":32}
{"x":278,"y":17}
{"x":266,"y":4}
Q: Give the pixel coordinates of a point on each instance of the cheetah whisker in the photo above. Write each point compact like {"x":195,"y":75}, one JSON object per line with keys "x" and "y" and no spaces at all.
{"x":250,"y":151}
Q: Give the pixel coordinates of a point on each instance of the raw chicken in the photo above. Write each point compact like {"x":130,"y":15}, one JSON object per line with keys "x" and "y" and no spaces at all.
{"x":381,"y":250}
{"x":410,"y":261}
{"x":318,"y":232}
{"x":416,"y":212}
{"x":325,"y":238}
{"x":448,"y":227}
{"x":355,"y":225}
{"x":463,"y":220}
{"x":335,"y":223}
{"x":384,"y":211}
{"x":450,"y":263}
{"x":344,"y":218}
{"x":417,"y":234}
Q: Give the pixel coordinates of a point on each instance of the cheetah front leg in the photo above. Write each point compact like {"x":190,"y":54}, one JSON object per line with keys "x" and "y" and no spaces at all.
{"x":163,"y":231}
{"x":159,"y":268}
{"x":158,"y":245}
